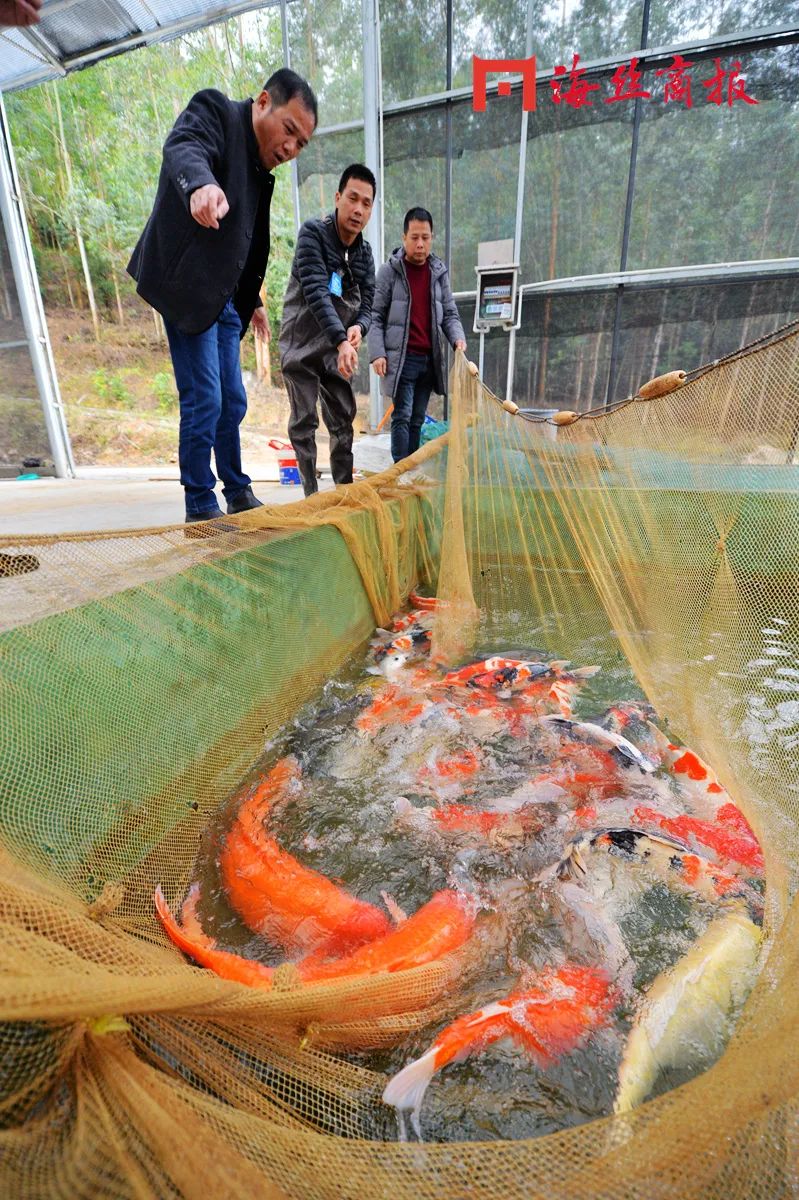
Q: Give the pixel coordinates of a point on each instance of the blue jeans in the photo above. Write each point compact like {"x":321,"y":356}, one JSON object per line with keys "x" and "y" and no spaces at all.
{"x":212,"y":406}
{"x":410,"y":404}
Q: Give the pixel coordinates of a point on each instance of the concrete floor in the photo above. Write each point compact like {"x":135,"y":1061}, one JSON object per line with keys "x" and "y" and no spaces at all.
{"x":118,"y":498}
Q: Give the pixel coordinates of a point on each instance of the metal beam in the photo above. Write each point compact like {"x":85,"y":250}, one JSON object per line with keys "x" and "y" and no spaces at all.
{"x":615,"y":340}
{"x":371,"y":137}
{"x":764,"y":268}
{"x":295,"y":178}
{"x":517,"y":235}
{"x":342,"y":127}
{"x":44,"y":49}
{"x":30,"y":302}
{"x":679,"y":276}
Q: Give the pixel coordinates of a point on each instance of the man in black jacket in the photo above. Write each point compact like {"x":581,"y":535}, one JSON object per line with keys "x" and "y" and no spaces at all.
{"x":201,"y":261}
{"x":327,"y":310}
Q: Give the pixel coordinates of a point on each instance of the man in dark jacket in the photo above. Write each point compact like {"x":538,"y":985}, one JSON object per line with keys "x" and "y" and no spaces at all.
{"x":326,"y":313}
{"x":201,"y":261}
{"x":413,"y":306}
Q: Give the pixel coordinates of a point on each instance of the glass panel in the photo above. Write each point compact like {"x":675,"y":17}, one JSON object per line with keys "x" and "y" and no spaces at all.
{"x":575,"y":186}
{"x":496,"y":29}
{"x":413,"y":40}
{"x":672,"y":21}
{"x":72,"y":31}
{"x":485,"y":170}
{"x":488,"y":28}
{"x":563,"y":350}
{"x":19,"y":58}
{"x":495,"y":358}
{"x":596,"y":29}
{"x":319,"y":169}
{"x":23,"y":433}
{"x":414,"y":172}
{"x":327,"y":49}
{"x":717,"y":184}
{"x":680,"y":328}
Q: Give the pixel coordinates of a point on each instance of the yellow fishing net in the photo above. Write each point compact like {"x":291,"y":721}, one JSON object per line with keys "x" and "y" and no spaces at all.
{"x":141,"y":674}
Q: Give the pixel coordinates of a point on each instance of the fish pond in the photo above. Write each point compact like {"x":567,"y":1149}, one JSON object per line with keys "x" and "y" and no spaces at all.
{"x":589,"y":849}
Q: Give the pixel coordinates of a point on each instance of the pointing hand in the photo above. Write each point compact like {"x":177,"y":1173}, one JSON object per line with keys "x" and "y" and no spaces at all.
{"x":209,"y":205}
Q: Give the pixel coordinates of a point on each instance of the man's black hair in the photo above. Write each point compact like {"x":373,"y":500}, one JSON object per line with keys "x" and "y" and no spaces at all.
{"x":284,"y":85}
{"x":357,"y":171}
{"x":417,"y":214}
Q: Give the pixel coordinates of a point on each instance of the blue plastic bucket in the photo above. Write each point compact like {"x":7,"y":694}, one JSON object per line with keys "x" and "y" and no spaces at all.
{"x":288,"y":470}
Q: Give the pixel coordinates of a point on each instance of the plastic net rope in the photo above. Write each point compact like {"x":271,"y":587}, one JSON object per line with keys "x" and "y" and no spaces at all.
{"x":142,"y":674}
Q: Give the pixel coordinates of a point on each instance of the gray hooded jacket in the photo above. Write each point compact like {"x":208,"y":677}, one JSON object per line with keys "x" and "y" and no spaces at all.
{"x":391,"y":319}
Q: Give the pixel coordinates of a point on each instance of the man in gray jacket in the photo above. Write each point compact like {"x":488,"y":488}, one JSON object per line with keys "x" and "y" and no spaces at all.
{"x":413,"y":306}
{"x":326,"y":312}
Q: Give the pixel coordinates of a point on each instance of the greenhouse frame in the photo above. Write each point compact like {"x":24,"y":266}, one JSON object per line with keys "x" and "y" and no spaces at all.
{"x":675,"y":247}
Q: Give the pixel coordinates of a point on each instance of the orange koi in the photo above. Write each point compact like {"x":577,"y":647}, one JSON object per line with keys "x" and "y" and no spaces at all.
{"x":732,"y":839}
{"x":394,"y":706}
{"x":438,"y":928}
{"x":427,"y":603}
{"x":276,"y":896}
{"x":459,"y":766}
{"x":459,"y":818}
{"x":191,"y":939}
{"x":551,"y":1016}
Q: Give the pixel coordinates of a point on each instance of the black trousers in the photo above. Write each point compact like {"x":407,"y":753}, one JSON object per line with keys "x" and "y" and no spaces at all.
{"x":316,"y":381}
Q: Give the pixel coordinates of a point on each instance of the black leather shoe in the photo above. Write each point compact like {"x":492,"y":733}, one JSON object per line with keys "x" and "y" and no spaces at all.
{"x":207,"y":524}
{"x":243,"y":502}
{"x":207,"y":514}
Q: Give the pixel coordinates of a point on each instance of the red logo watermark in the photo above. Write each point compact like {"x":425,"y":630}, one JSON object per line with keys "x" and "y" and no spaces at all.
{"x":482,"y":67}
{"x":572,"y":87}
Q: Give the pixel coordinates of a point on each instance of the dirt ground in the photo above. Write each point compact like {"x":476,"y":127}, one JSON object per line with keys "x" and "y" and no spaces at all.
{"x":120,"y":399}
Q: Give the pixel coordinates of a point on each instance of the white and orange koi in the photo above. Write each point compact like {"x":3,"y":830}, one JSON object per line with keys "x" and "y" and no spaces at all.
{"x":394,"y":705}
{"x":417,"y":619}
{"x":717,"y":821}
{"x":412,"y":642}
{"x":603,"y":737}
{"x":504,"y":818}
{"x":550,"y":1016}
{"x":442,"y":773}
{"x":671,"y":860}
{"x":499,"y":674}
{"x":730,"y":836}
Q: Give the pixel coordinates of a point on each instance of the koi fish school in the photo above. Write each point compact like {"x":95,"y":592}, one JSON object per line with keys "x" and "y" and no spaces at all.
{"x":549,"y":835}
